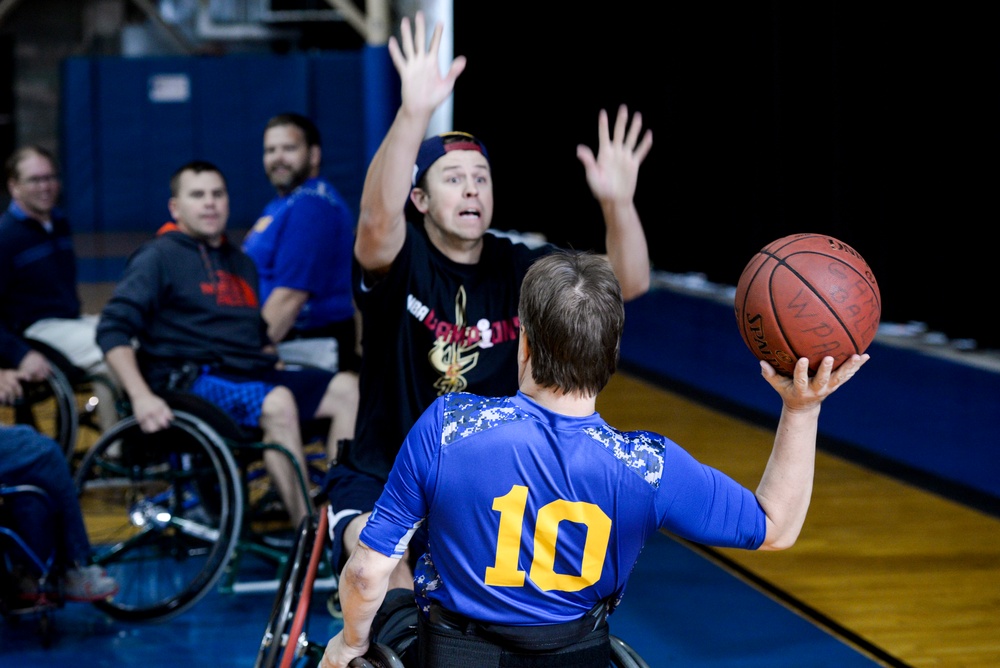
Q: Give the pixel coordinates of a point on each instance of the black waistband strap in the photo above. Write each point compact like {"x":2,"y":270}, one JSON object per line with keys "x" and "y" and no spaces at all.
{"x":445,"y":646}
{"x":531,"y":638}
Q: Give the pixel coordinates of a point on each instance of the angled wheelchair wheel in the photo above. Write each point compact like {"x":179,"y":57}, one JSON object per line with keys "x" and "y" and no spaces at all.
{"x":623,"y":656}
{"x":46,"y":568}
{"x":278,"y":633}
{"x":50,"y":407}
{"x":285,"y":642}
{"x":163,"y":514}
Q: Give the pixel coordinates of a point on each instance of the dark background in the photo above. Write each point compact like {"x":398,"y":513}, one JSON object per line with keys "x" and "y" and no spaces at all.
{"x":873,"y":124}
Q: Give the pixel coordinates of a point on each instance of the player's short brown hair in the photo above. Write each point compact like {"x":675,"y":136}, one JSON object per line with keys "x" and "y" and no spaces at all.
{"x":572,"y":313}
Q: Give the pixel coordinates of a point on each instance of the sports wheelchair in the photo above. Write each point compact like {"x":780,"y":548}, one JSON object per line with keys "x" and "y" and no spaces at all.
{"x":173,"y":513}
{"x":285,"y":642}
{"x":64,"y":405}
{"x":15,"y":552}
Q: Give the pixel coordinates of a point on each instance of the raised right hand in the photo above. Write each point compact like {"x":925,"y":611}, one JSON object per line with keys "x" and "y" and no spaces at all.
{"x":423,"y":87}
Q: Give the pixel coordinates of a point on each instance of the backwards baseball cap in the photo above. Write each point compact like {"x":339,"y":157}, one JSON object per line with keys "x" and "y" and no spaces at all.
{"x":435,"y":147}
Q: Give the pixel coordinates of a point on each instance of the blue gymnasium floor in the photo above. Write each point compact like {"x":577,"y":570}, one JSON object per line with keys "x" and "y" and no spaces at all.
{"x":701,"y":615}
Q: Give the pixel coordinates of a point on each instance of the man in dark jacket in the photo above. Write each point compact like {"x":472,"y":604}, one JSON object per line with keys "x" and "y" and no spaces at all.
{"x":189,"y":298}
{"x":38,"y":293}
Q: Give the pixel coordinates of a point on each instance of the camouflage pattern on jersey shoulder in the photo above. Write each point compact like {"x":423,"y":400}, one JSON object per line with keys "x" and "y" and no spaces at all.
{"x":467,"y":414}
{"x":425,"y":580}
{"x":642,"y":451}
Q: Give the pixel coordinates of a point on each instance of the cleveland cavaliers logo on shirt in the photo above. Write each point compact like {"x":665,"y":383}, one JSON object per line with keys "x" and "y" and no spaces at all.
{"x":457,"y":344}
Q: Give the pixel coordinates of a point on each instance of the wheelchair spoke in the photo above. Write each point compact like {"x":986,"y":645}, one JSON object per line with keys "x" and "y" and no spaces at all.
{"x":162,"y":516}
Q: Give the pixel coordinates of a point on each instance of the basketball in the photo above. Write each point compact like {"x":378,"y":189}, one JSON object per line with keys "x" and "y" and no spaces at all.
{"x":807,"y":295}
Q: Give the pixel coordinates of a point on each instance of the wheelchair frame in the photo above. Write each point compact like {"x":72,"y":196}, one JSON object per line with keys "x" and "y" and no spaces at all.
{"x":50,"y":586}
{"x":49,"y":406}
{"x":169,"y":513}
{"x":52,"y":406}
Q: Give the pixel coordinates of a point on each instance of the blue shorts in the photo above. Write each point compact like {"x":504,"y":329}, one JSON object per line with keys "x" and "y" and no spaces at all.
{"x":242,"y":396}
{"x":352,"y":493}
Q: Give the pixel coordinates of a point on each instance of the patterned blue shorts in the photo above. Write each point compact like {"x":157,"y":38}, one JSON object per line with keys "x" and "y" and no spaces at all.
{"x":241,"y":399}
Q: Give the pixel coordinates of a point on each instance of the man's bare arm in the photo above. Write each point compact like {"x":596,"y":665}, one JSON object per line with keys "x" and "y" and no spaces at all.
{"x":151,"y":411}
{"x":281,"y":309}
{"x":382,"y":221}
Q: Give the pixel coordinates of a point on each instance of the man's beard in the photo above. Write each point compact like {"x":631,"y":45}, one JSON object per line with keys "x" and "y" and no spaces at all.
{"x":291,"y":180}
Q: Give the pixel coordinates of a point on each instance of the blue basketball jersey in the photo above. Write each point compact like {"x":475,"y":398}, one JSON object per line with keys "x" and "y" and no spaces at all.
{"x":534,"y":517}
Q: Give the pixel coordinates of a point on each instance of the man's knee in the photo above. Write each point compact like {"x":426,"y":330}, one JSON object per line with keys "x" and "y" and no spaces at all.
{"x":279,"y":410}
{"x":342,"y":393}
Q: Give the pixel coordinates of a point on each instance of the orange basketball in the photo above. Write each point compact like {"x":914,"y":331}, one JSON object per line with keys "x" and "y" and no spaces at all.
{"x":807,"y":295}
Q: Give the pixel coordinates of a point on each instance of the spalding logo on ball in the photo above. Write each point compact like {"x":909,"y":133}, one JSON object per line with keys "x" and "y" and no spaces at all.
{"x":807,"y":295}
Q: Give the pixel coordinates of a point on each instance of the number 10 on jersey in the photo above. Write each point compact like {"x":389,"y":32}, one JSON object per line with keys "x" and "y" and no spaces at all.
{"x":511,"y":506}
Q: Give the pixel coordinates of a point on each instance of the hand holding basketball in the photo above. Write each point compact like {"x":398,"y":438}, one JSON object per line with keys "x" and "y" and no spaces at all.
{"x":807,"y":295}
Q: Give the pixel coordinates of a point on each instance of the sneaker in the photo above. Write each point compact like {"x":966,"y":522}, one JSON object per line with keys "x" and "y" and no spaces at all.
{"x":89,"y":584}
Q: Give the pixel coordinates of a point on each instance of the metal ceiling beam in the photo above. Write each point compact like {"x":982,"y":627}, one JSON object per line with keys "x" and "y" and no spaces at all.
{"x":175,"y":36}
{"x":5,"y":7}
{"x":373,"y":25}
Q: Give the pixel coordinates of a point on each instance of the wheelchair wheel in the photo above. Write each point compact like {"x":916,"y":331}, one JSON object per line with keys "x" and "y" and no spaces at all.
{"x":277,"y":633}
{"x":377,"y":656}
{"x":87,"y":393}
{"x":623,"y":656}
{"x":50,"y":407}
{"x":163,"y":513}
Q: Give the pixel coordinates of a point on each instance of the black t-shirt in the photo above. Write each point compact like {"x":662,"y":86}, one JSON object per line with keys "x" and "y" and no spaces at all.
{"x":433,"y":326}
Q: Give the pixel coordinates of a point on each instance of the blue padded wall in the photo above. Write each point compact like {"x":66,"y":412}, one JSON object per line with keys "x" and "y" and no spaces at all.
{"x":337,"y":84}
{"x":77,"y":130}
{"x":935,"y":417}
{"x":120,"y":145}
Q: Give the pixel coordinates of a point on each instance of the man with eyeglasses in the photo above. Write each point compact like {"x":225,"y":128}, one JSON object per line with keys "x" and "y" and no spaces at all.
{"x":38,"y":292}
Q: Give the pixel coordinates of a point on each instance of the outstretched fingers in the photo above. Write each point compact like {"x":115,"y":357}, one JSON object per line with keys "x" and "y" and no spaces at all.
{"x":631,"y":141}
{"x":435,"y":36}
{"x":613,"y":172}
{"x":603,"y":133}
{"x":804,"y":392}
{"x":827,"y":379}
{"x":423,"y":87}
{"x":412,"y":40}
{"x":621,"y":124}
{"x":847,"y":370}
{"x":406,"y":34}
{"x":823,"y":372}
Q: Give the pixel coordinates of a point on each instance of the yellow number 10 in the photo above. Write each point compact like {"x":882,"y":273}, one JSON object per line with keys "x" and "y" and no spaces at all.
{"x":504,"y":572}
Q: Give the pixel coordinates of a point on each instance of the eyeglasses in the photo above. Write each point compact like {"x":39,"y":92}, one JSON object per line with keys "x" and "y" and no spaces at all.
{"x":41,"y":179}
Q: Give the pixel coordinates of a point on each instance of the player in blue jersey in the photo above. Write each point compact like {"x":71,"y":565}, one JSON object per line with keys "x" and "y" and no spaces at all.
{"x":537,"y":509}
{"x":302,"y":245}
